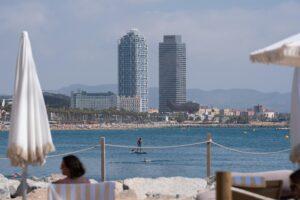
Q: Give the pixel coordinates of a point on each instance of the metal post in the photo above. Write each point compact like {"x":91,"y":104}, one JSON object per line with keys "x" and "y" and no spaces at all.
{"x":208,"y":155}
{"x":223,"y":188}
{"x":102,"y":142}
{"x":24,"y":182}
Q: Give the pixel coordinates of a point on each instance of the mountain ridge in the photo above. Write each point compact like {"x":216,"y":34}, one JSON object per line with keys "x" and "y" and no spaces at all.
{"x":223,"y":98}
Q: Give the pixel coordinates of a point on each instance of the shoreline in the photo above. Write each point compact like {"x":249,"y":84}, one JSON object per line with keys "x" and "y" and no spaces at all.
{"x":137,"y":188}
{"x":74,"y":127}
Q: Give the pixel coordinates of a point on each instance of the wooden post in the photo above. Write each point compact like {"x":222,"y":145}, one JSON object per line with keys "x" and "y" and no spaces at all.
{"x":208,"y":155}
{"x":223,"y":188}
{"x":102,"y":142}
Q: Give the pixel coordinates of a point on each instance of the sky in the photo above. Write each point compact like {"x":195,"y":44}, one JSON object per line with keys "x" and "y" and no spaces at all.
{"x":75,"y":41}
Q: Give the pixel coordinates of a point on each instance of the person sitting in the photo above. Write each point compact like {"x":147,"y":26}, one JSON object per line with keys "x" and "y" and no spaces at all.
{"x":295,"y":184}
{"x":73,"y":169}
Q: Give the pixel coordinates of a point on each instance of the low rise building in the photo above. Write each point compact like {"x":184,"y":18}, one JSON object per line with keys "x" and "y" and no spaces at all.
{"x":215,"y":111}
{"x":94,"y":101}
{"x":258,"y":109}
{"x":269,"y":114}
{"x":250,"y":112}
{"x":226,"y":112}
{"x":130,"y":103}
{"x":152,"y":110}
{"x":237,"y":113}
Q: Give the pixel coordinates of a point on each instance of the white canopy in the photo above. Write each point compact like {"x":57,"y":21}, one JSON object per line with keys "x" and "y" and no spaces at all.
{"x":286,"y":52}
{"x":29,"y":137}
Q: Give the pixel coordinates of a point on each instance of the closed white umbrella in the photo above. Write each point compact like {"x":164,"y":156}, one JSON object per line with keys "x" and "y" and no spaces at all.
{"x":286,"y":53}
{"x":29,"y":136}
{"x":3,"y":103}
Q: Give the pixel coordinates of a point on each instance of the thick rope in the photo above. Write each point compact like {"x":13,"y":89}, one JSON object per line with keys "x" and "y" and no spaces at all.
{"x":166,"y":147}
{"x":249,"y":152}
{"x":68,"y":153}
{"x":73,"y":152}
{"x":155,"y":147}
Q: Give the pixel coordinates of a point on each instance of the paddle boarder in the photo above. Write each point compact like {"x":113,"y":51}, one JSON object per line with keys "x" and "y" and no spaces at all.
{"x":139,"y":144}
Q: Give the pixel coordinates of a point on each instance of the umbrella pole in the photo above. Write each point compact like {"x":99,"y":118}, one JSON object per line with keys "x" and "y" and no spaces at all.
{"x":24,"y":183}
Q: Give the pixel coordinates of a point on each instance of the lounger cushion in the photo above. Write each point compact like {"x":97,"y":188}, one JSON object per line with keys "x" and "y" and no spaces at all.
{"x":249,"y":181}
{"x":98,"y":191}
{"x":273,"y":175}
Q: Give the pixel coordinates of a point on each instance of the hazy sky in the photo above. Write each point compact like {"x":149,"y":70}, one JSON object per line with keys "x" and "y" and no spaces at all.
{"x":75,"y":41}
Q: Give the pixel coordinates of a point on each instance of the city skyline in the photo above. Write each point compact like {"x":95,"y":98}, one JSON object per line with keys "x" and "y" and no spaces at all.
{"x":76,"y":40}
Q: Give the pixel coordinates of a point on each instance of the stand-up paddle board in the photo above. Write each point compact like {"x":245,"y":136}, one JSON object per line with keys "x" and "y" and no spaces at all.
{"x":138,"y":152}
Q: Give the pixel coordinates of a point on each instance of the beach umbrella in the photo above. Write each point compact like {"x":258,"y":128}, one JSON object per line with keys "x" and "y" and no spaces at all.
{"x":286,"y":53}
{"x":29,"y":136}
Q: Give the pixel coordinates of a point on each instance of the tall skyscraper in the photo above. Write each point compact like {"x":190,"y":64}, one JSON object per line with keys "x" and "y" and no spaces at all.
{"x":172,"y":72}
{"x":133,"y":64}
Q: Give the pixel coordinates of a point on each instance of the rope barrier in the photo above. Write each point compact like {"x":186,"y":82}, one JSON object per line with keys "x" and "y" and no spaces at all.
{"x":68,"y":153}
{"x":156,"y":147}
{"x":249,"y":152}
{"x":167,"y":147}
{"x":72,"y":152}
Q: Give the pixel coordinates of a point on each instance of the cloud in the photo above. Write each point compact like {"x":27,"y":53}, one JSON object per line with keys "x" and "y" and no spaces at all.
{"x":219,"y":42}
{"x":144,"y":1}
{"x":23,"y":15}
{"x":75,"y":41}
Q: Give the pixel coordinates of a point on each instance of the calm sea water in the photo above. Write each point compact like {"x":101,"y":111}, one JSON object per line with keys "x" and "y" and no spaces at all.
{"x":187,"y":161}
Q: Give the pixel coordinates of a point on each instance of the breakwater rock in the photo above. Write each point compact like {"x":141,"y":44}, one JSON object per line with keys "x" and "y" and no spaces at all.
{"x":173,"y":188}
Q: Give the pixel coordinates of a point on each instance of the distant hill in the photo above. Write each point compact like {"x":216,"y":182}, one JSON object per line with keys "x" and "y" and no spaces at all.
{"x":241,"y":98}
{"x":53,"y":100}
{"x":232,"y":98}
{"x":95,"y":88}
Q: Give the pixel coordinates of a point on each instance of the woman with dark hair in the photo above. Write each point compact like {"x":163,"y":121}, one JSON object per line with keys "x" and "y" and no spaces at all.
{"x":73,"y":169}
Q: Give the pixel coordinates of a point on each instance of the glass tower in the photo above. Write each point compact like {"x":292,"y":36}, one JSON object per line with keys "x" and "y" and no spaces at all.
{"x":172,"y":72}
{"x":133,"y":64}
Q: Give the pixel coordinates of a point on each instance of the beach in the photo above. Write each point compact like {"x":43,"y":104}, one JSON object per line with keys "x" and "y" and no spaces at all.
{"x":162,"y":188}
{"x":126,"y":126}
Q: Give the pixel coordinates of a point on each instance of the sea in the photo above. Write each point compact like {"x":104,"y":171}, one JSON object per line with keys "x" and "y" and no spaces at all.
{"x":122,"y":163}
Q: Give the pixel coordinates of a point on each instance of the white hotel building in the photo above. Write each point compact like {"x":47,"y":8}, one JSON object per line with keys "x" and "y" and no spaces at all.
{"x":102,"y":101}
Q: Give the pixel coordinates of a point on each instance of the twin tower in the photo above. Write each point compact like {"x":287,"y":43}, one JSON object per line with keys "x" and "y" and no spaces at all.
{"x":133,"y":70}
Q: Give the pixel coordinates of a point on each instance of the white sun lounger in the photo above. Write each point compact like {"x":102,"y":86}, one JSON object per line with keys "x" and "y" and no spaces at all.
{"x":97,"y":191}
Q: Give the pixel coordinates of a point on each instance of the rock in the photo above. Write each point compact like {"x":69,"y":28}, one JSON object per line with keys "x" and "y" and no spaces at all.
{"x":13,"y":185}
{"x":37,"y":184}
{"x":4,"y":187}
{"x":151,"y":196}
{"x":55,"y":177}
{"x":34,"y":178}
{"x":38,"y":194}
{"x":118,"y":187}
{"x":127,"y":195}
{"x":206,"y":195}
{"x":165,"y":188}
{"x":125,"y":187}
